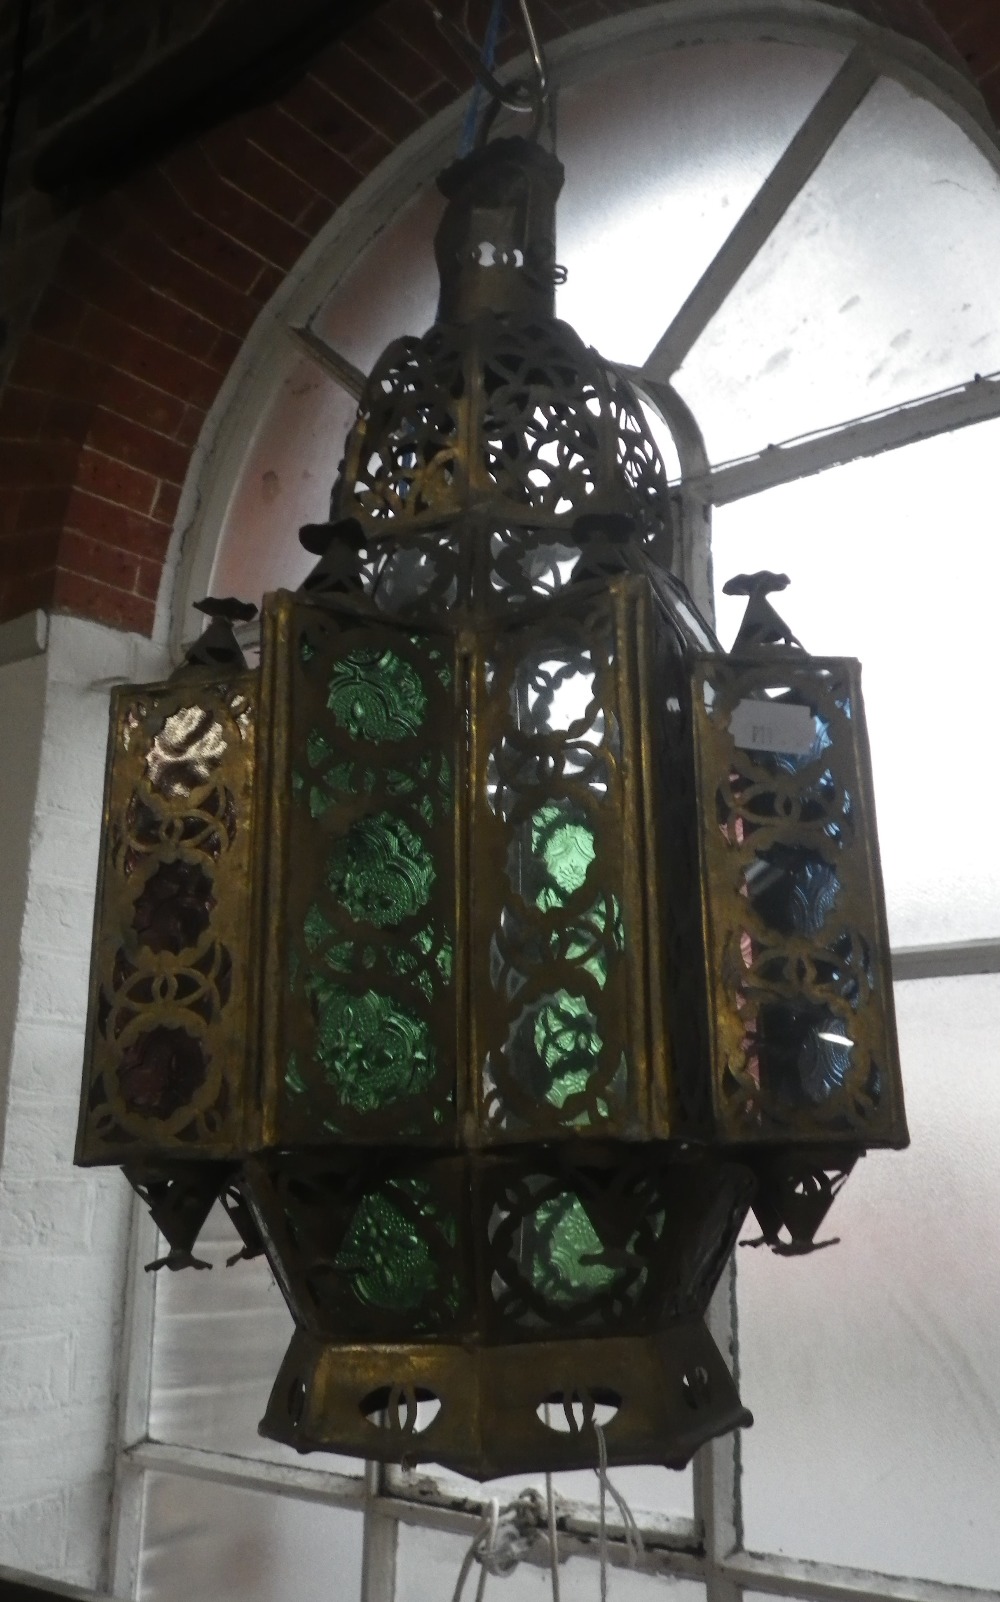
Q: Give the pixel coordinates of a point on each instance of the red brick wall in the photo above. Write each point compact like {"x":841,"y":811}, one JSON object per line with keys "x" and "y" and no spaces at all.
{"x":158,"y":283}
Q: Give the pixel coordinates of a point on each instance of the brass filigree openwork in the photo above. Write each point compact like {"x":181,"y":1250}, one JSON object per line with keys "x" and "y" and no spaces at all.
{"x":501,"y":941}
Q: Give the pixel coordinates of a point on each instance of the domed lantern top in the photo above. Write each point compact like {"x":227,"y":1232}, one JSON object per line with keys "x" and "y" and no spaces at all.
{"x":494,"y":453}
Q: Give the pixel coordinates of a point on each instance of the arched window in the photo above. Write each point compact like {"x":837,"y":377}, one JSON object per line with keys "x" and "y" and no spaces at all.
{"x":791,"y":242}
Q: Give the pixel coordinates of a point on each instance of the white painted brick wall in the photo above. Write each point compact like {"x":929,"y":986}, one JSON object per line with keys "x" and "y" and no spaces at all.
{"x":63,"y":1231}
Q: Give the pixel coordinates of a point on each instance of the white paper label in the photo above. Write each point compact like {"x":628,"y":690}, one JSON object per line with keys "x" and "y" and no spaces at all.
{"x":773,"y":726}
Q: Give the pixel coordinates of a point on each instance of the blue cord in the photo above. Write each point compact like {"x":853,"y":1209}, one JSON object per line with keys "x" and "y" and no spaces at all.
{"x":489,"y":52}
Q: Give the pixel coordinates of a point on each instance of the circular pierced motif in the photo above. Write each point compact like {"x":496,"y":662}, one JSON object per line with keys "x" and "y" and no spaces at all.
{"x":382,"y":872}
{"x":515,"y":423}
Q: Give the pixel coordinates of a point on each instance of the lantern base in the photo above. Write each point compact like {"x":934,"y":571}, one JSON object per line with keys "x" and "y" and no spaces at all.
{"x":487,"y":1411}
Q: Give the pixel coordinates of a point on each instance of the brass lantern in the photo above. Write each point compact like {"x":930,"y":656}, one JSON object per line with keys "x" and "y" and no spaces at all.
{"x":501,"y":941}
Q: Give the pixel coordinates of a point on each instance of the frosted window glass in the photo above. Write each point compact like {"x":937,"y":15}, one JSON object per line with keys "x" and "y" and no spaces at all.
{"x":429,"y":1561}
{"x":661,"y":159}
{"x":393,"y":288}
{"x":294,"y":455}
{"x":205,"y":1542}
{"x":879,"y":285}
{"x":219,"y":1339}
{"x":285,"y":481}
{"x":871,"y":1367}
{"x":655,"y":1495}
{"x":897,"y":561}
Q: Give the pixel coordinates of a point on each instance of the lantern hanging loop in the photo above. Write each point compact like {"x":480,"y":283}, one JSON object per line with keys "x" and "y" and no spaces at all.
{"x":518,"y":95}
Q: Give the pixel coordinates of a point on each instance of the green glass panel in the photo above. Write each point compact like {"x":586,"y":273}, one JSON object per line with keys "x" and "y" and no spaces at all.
{"x":376,"y":695}
{"x":293,"y":1078}
{"x":568,"y":1259}
{"x":568,"y":1043}
{"x":440,"y":663}
{"x":445,"y":960}
{"x":339,"y":956}
{"x":563,"y":841}
{"x":317,"y":929}
{"x":318,"y":748}
{"x":387,"y":1251}
{"x":371,"y":1049}
{"x":586,"y":939}
{"x":381,"y":871}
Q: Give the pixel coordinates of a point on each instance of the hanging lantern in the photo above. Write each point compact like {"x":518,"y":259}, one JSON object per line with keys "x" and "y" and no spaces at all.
{"x":501,"y":941}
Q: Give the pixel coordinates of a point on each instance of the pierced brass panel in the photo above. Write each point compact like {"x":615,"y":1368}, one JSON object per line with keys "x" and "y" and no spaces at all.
{"x":804,"y":1044}
{"x":507,"y":1410}
{"x":359,"y":941}
{"x":508,"y":1293}
{"x":495,"y":1249}
{"x":557,"y":865}
{"x":166,"y":1035}
{"x":520,"y":419}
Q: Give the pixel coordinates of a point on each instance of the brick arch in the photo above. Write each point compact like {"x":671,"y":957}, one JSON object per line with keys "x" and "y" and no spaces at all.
{"x":161,"y":280}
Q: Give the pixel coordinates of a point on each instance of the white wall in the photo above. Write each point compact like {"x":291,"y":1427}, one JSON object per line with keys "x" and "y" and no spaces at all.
{"x":63,"y":1231}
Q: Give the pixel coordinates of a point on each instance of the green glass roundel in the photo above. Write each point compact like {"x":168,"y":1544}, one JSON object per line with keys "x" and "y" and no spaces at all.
{"x":568,"y":1043}
{"x":564,"y":841}
{"x":386,"y":1253}
{"x":567,"y":1257}
{"x":381,"y":871}
{"x":376,"y":695}
{"x":372,"y":1050}
{"x":550,"y":857}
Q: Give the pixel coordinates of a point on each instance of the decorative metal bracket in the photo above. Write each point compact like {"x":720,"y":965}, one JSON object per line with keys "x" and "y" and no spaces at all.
{"x":761,"y":626}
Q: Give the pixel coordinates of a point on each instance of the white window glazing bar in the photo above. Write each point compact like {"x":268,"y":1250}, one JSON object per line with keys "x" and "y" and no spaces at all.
{"x":250,"y":1474}
{"x":336,"y":366}
{"x":787,"y":180}
{"x":725,"y":1574}
{"x":381,"y":1540}
{"x":717,"y":1466}
{"x":828,"y":1582}
{"x":975,"y":402}
{"x":955,"y":960}
{"x":134,"y":1385}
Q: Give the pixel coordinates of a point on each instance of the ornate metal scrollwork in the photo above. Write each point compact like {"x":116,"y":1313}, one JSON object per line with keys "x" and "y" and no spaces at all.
{"x":500,"y":942}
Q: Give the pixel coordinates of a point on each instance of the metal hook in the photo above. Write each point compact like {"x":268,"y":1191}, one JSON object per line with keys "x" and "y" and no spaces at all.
{"x":516,"y":96}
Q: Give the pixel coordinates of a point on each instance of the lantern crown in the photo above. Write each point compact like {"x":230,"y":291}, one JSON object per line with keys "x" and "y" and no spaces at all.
{"x":496,"y":243}
{"x":496,"y":458}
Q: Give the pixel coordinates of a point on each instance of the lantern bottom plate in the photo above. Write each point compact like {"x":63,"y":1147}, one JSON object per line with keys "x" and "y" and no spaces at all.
{"x":482,"y":1410}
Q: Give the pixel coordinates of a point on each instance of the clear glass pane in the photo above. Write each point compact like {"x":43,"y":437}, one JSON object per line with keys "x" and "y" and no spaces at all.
{"x":661,"y":158}
{"x":658,"y":1497}
{"x":429,"y":1562}
{"x":206,"y":1542}
{"x":896,"y":561}
{"x":879,"y":285}
{"x":871,"y":1367}
{"x":219,"y":1340}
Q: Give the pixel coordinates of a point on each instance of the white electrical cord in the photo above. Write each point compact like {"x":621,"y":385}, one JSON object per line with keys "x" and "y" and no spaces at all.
{"x":633,"y":1535}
